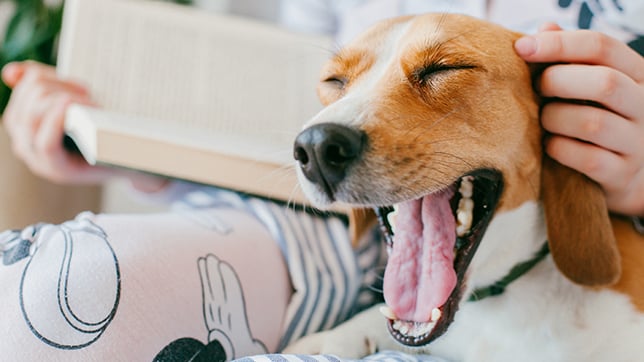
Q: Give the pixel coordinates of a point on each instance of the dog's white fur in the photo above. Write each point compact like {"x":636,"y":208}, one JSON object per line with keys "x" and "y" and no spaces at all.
{"x":575,"y":323}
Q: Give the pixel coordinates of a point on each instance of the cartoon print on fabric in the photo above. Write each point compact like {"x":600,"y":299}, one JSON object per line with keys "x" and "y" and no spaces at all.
{"x":590,"y":8}
{"x":224,"y":311}
{"x":61,"y":306}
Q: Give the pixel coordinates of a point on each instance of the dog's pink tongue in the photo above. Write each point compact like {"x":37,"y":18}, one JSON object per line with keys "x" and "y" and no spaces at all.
{"x":420,"y":274}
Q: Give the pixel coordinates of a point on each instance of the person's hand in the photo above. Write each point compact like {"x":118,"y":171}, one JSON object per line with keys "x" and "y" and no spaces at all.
{"x":34,"y":120}
{"x":603,"y":138}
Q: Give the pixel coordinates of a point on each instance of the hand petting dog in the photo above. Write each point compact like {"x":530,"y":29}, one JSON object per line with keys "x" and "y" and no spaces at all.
{"x":605,"y":143}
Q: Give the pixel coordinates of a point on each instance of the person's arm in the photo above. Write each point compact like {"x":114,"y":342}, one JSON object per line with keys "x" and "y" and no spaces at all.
{"x":605,"y":142}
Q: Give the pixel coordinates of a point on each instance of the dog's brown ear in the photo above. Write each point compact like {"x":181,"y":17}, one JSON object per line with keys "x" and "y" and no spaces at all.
{"x":361,"y":220}
{"x":580,"y":234}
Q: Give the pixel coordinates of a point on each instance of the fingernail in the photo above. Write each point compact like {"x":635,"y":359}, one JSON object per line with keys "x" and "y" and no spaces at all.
{"x":526,"y":46}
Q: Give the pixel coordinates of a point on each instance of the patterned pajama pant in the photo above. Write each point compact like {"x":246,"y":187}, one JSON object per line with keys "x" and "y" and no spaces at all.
{"x":220,"y":277}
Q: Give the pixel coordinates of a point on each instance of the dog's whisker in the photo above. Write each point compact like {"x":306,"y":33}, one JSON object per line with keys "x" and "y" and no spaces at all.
{"x":449,"y":156}
{"x":375,"y":289}
{"x":290,"y":203}
{"x":284,"y":174}
{"x":331,"y":51}
{"x":441,"y":21}
{"x":439,"y":141}
{"x":379,"y":272}
{"x":437,"y":122}
{"x":534,"y":189}
{"x":422,"y":126}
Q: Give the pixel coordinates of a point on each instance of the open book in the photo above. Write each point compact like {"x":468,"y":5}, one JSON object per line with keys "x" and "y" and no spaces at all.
{"x":189,"y":94}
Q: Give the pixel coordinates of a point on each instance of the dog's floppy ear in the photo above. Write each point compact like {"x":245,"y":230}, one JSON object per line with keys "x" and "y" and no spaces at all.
{"x":580,"y":234}
{"x":361,"y":220}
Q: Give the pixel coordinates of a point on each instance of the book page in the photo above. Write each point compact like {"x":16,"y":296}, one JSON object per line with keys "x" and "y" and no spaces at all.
{"x":217,"y":74}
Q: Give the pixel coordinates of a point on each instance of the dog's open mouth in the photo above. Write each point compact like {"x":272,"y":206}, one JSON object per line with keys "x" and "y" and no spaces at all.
{"x":431,"y":242}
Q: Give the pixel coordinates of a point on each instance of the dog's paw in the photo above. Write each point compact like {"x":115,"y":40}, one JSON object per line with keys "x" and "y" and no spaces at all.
{"x":363,"y":335}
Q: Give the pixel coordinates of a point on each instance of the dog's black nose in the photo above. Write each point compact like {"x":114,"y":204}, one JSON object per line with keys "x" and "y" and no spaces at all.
{"x":325,"y":151}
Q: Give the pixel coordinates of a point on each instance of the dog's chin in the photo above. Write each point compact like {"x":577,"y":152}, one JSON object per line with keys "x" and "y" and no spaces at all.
{"x":421,"y":300}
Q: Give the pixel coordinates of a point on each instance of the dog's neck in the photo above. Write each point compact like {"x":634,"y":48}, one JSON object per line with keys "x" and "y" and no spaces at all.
{"x":512,"y":237}
{"x":498,"y":287}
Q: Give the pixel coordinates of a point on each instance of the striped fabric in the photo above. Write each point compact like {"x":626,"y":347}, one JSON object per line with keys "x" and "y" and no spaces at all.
{"x":385,"y":356}
{"x":331,"y":280}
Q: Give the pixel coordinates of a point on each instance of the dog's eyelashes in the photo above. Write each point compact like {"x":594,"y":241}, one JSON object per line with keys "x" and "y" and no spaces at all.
{"x":332,"y":88}
{"x":425,"y":74}
{"x":336,"y":82}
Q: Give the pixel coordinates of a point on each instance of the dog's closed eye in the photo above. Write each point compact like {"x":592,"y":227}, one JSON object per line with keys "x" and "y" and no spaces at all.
{"x":426,"y":74}
{"x":332,"y":88}
{"x":336,"y":81}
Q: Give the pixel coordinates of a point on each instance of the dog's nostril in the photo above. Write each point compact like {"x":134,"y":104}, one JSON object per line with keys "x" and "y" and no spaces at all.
{"x":337,"y":155}
{"x":300,"y":155}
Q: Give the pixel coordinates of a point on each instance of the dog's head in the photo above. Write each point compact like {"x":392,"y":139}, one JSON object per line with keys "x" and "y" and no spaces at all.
{"x":432,"y":121}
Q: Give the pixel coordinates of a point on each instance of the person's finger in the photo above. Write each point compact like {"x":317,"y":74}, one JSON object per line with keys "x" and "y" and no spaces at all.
{"x":607,"y":168}
{"x":549,"y":26}
{"x":592,"y":124}
{"x":24,"y":116}
{"x":49,"y":137}
{"x":29,"y":99}
{"x":46,"y":81}
{"x":23,"y":71}
{"x":601,"y":84}
{"x":581,"y":46}
{"x":31,"y":102}
{"x":12,"y":73}
{"x":24,"y":122}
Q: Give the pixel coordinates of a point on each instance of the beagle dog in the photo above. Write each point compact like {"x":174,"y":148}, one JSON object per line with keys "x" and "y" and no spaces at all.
{"x":496,"y":253}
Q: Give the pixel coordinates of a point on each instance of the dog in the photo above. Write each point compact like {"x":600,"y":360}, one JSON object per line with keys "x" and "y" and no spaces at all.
{"x":496,"y":252}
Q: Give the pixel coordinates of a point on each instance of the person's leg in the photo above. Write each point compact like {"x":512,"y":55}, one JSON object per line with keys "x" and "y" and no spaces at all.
{"x":142,"y":287}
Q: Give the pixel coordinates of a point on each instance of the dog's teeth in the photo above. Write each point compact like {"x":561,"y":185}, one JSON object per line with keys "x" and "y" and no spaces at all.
{"x":391,"y":218}
{"x":403,"y":328}
{"x":436,"y":314}
{"x":464,"y":216}
{"x":467,"y":187}
{"x":413,"y":329}
{"x":465,"y":207}
{"x":388,"y":313}
{"x":422,"y":329}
